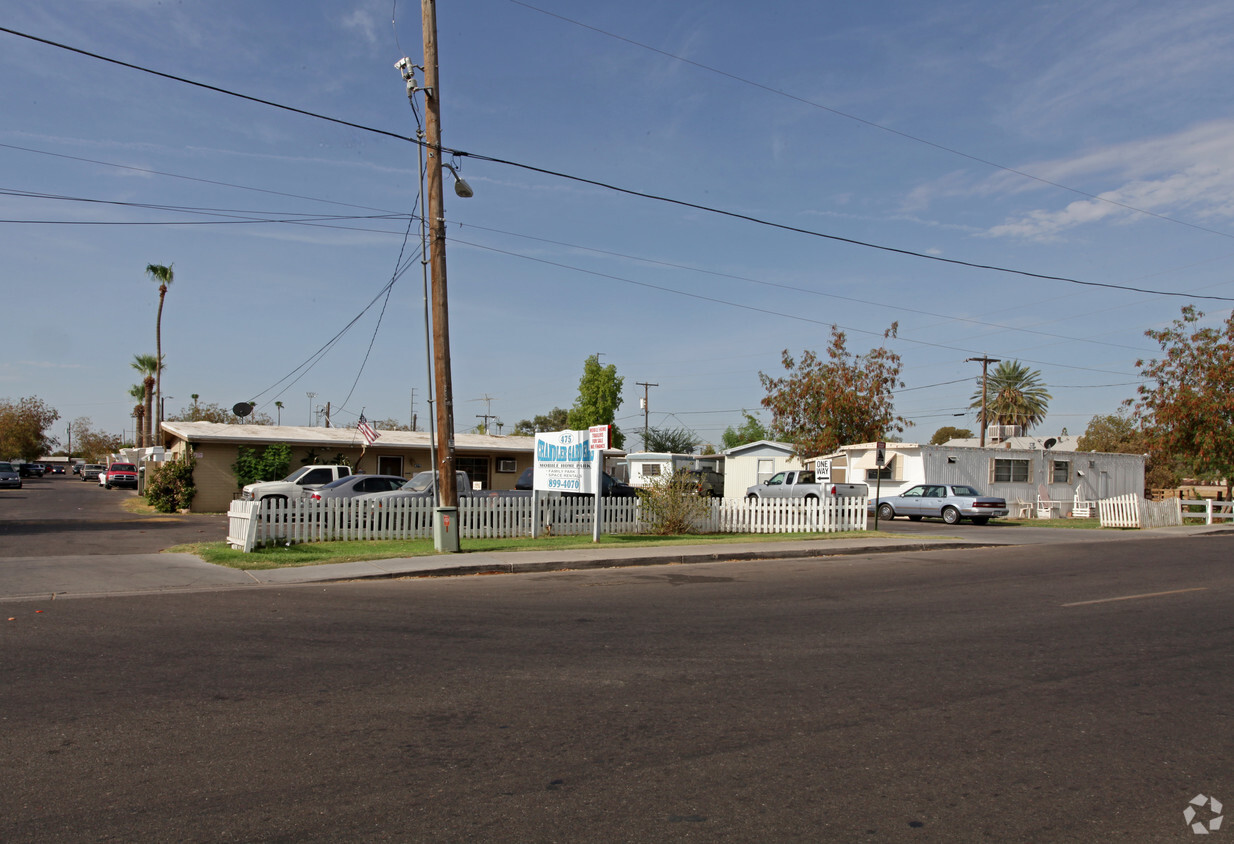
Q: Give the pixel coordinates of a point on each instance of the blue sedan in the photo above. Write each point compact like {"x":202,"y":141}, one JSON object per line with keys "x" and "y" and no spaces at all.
{"x":949,"y":502}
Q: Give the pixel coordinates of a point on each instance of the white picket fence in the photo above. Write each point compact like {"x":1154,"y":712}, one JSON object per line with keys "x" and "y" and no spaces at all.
{"x":253,"y":523}
{"x":1135,"y":511}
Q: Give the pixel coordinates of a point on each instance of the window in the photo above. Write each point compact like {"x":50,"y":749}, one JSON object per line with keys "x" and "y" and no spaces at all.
{"x":1007,"y":470}
{"x":1061,"y":473}
{"x":505,"y":465}
{"x":476,"y":469}
{"x":880,"y":474}
{"x":651,"y":470}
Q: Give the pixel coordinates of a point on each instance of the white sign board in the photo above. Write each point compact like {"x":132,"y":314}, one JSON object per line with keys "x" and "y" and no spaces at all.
{"x":564,"y":461}
{"x":822,"y":470}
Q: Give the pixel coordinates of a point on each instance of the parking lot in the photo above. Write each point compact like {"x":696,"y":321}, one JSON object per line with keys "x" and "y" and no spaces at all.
{"x":61,"y":515}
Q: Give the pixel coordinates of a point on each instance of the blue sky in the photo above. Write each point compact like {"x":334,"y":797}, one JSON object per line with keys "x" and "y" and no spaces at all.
{"x":1092,"y":141}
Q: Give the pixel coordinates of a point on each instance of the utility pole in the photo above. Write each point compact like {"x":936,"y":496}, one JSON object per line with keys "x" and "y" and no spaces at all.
{"x":311,"y":396}
{"x":446,"y":482}
{"x":327,"y":414}
{"x":646,"y":408}
{"x":985,"y":362}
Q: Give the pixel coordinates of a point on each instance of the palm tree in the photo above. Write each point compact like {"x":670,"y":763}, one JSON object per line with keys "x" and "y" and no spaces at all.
{"x":164,"y":276}
{"x":279,"y":405}
{"x":148,"y":366}
{"x":1014,"y":395}
{"x":138,"y":392}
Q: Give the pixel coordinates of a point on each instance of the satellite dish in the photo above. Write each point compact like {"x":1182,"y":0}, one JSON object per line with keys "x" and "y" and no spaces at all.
{"x":1050,"y":443}
{"x":242,"y":409}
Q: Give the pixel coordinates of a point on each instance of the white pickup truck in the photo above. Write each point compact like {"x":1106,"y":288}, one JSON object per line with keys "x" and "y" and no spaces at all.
{"x":299,"y":484}
{"x":802,"y":484}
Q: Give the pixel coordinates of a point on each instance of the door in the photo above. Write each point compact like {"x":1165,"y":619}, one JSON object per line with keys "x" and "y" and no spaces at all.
{"x":389,"y":465}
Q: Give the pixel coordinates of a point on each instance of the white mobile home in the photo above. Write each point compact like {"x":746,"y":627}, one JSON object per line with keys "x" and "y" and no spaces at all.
{"x":753,"y":463}
{"x":643,"y":467}
{"x":1023,"y":476}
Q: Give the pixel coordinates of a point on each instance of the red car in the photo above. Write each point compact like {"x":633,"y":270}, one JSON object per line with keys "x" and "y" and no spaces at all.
{"x":121,"y":474}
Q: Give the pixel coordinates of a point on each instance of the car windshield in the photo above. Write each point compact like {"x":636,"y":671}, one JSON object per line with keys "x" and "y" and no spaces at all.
{"x":6,"y":467}
{"x":964,"y":490}
{"x":123,"y":467}
{"x":419,"y":482}
{"x":341,"y":482}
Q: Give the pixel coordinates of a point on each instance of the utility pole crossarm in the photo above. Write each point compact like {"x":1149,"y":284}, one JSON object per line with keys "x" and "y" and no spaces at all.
{"x":985,"y":361}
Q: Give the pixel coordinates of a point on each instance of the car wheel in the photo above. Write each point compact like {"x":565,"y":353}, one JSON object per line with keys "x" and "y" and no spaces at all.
{"x":886,"y":512}
{"x":914,"y":518}
{"x":811,"y":498}
{"x":750,"y":499}
{"x":951,"y":515}
{"x":981,"y":520}
{"x":106,"y":486}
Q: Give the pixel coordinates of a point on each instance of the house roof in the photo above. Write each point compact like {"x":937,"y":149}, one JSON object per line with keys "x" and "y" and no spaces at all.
{"x":207,"y":432}
{"x":771,"y":445}
{"x":1062,"y":443}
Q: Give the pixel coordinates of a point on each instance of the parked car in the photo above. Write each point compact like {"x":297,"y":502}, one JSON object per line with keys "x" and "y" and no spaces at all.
{"x":949,"y":502}
{"x":120,"y":474}
{"x":10,"y":478}
{"x":30,"y":470}
{"x":708,"y":482}
{"x":91,"y":471}
{"x":354,"y":485}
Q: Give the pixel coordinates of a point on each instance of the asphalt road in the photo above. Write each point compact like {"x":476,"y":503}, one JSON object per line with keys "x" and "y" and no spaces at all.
{"x":61,"y":514}
{"x":1067,"y":692}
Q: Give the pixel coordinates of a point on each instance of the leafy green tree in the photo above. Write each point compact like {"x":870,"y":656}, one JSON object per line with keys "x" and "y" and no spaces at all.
{"x":170,"y":485}
{"x":950,"y":432}
{"x":1014,"y":395}
{"x":750,"y":431}
{"x":821,"y":405}
{"x":24,"y":427}
{"x":163,"y":277}
{"x":213,"y":412}
{"x":270,"y":464}
{"x":670,"y":440}
{"x":92,"y":445}
{"x":1120,"y":433}
{"x":1187,"y":404}
{"x":599,"y":397}
{"x":556,"y":419}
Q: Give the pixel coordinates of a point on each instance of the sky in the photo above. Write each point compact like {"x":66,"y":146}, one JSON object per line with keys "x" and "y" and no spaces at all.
{"x":725,"y":182}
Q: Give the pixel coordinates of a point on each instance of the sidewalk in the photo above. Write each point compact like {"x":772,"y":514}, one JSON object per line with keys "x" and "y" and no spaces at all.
{"x":51,"y":578}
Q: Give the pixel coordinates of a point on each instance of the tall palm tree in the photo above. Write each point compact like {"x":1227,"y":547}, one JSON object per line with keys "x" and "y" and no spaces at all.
{"x":163,"y":276}
{"x":148,"y":366}
{"x":1014,"y":395}
{"x":138,"y":392}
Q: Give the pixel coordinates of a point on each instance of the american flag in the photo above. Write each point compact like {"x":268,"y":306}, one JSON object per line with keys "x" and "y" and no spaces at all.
{"x":366,"y":431}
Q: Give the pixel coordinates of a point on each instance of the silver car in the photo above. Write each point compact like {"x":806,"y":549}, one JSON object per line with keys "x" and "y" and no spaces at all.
{"x":356,"y":485}
{"x":949,"y":502}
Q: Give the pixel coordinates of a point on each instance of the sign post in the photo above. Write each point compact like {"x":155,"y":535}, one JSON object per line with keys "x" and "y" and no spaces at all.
{"x":572,"y":462}
{"x":880,"y":460}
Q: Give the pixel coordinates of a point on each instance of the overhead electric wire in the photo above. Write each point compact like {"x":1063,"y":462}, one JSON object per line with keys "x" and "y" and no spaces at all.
{"x":616,"y":189}
{"x":872,"y":124}
{"x":753,"y":308}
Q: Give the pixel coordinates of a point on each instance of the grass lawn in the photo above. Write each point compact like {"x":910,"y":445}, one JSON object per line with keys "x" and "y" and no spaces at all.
{"x":317,"y":553}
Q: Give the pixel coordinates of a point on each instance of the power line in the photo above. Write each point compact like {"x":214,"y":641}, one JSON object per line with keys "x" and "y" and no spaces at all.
{"x":872,"y":124}
{"x":616,"y":189}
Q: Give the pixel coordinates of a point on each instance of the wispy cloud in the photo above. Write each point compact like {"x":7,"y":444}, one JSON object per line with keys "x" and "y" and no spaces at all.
{"x":1190,"y":172}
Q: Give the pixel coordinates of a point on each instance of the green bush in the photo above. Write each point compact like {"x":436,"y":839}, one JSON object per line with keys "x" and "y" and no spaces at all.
{"x":272,"y":464}
{"x":671,"y":504}
{"x":169,"y":485}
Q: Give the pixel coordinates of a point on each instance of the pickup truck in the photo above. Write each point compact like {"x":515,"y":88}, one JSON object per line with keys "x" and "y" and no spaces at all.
{"x":299,"y":484}
{"x":802,"y":484}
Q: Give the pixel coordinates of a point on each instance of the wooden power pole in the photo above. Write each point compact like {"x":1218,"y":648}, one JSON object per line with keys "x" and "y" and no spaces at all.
{"x":985,"y":362}
{"x":446,"y":482}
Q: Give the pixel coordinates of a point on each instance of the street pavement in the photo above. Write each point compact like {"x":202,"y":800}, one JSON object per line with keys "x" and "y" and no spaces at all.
{"x":26,"y":578}
{"x":60,"y":539}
